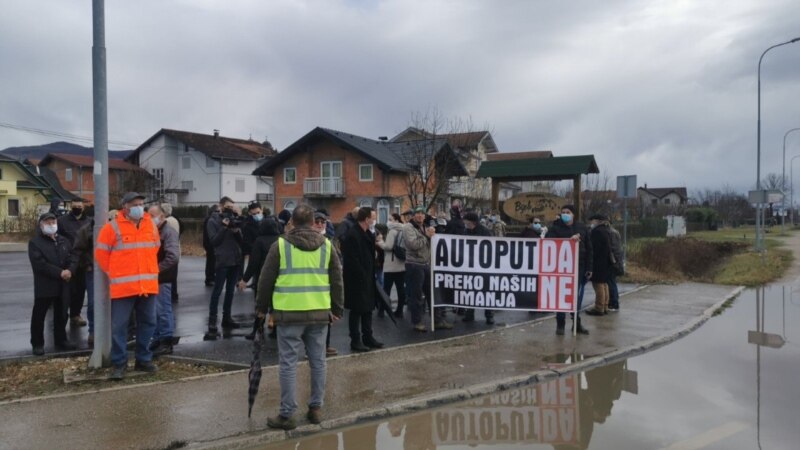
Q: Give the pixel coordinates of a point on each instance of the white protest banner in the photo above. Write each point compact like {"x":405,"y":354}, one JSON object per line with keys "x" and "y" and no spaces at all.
{"x":546,"y":413}
{"x":502,"y":273}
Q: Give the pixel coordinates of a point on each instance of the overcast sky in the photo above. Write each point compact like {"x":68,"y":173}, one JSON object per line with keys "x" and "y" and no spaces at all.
{"x":662,"y":89}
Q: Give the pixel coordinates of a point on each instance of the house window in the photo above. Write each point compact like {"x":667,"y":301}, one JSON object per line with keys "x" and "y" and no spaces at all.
{"x":231,"y":162}
{"x":68,"y":174}
{"x":209,"y":161}
{"x":290,"y":175}
{"x":1,"y":173}
{"x":383,"y":211}
{"x":666,"y":201}
{"x":240,"y":185}
{"x":654,"y":201}
{"x":158,"y":183}
{"x":397,"y":205}
{"x":365,"y":203}
{"x":289,"y":205}
{"x":188,"y":185}
{"x":365,"y":172}
{"x":187,"y":162}
{"x":13,"y":208}
{"x":331,"y":169}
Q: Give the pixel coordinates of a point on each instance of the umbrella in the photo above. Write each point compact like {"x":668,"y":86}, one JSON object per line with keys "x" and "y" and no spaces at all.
{"x":384,"y":303}
{"x":255,"y":367}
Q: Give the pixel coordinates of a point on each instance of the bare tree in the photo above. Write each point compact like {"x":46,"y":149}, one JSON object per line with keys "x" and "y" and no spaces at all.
{"x":732,"y":207}
{"x":436,"y":153}
{"x":773,"y":181}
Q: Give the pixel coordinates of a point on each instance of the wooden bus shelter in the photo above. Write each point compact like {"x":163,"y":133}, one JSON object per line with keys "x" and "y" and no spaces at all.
{"x":531,"y":166}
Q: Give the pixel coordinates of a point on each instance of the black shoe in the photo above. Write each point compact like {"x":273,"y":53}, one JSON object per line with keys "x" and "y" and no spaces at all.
{"x":372,"y":343}
{"x":281,"y":423}
{"x":594,"y":312}
{"x":154,"y":345}
{"x":560,"y":328}
{"x":163,"y":349}
{"x":118,"y":373}
{"x":581,"y":330}
{"x":490,"y":321}
{"x":66,"y":346}
{"x":229,"y":323}
{"x":145,"y":366}
{"x":209,"y":283}
{"x":359,"y":347}
{"x":38,"y":351}
{"x":211,"y":335}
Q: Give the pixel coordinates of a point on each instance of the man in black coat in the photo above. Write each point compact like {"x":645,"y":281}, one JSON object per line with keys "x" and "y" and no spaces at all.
{"x":358,"y":255}
{"x":567,"y":227}
{"x":209,"y":248}
{"x":68,"y":226}
{"x":49,"y":254}
{"x":473,"y":227}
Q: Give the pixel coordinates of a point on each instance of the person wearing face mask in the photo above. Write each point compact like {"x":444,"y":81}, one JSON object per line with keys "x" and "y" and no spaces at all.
{"x":169,"y":255}
{"x":49,"y":254}
{"x":498,"y":226}
{"x":358,"y":258}
{"x":127,"y":251}
{"x":567,"y":227}
{"x":250,"y":229}
{"x":68,"y":226}
{"x":226,"y":237}
{"x":535,"y":229}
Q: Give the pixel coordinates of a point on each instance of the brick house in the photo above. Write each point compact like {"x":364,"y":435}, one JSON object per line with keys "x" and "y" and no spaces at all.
{"x":338,"y":171}
{"x":75,"y":173}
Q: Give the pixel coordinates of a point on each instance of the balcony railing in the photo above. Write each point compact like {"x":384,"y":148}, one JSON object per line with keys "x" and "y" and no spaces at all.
{"x":323,"y":187}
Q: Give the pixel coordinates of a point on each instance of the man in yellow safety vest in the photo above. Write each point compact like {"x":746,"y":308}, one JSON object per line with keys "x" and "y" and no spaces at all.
{"x":301,"y":283}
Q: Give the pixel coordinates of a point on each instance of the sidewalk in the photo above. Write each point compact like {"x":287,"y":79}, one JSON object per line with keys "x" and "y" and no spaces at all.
{"x":211,"y":411}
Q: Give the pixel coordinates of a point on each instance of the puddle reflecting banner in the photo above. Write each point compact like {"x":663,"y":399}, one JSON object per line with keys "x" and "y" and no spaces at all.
{"x":546,"y":413}
{"x":504,"y":273}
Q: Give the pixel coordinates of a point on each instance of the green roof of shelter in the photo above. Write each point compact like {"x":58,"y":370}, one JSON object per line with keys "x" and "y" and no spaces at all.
{"x":556,"y":168}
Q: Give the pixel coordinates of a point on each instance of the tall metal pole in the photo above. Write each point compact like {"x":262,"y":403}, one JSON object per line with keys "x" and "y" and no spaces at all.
{"x":101,"y":355}
{"x":791,"y":189}
{"x":783,"y":174}
{"x":759,"y":231}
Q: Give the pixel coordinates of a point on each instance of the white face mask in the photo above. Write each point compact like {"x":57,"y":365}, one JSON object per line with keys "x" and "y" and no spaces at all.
{"x":50,"y":230}
{"x":157,"y":221}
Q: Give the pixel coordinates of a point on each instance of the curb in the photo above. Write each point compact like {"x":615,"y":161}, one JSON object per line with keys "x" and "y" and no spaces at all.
{"x":456,"y":395}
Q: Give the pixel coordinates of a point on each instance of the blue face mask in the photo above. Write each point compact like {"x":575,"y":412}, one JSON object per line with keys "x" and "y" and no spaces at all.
{"x":566,"y":218}
{"x":136,"y":212}
{"x":258,"y":217}
{"x":537,"y":226}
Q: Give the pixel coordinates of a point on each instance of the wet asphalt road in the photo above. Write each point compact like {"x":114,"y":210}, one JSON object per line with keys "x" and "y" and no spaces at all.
{"x":16,"y":302}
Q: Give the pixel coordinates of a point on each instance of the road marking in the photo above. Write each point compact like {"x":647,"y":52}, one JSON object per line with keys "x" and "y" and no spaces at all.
{"x":709,"y":437}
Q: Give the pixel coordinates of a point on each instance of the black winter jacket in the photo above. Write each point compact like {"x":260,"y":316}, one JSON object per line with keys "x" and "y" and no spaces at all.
{"x":585,"y":255}
{"x":48,"y":258}
{"x":68,"y":226}
{"x":358,"y":255}
{"x":268,"y":235}
{"x":226,"y":242}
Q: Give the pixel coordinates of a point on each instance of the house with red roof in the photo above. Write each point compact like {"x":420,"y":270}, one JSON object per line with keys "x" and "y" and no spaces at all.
{"x":76,"y":174}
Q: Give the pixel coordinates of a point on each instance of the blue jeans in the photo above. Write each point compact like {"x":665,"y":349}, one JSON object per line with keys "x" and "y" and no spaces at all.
{"x":290,"y":338}
{"x":227,"y":276}
{"x":145,"y":326}
{"x":165,"y":321}
{"x":418,"y":283}
{"x":613,"y":292}
{"x":561,"y":317}
{"x":90,"y":300}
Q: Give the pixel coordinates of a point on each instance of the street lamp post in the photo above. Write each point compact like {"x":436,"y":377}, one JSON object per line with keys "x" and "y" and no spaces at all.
{"x":791,"y":189}
{"x":783,"y":174}
{"x":759,"y":231}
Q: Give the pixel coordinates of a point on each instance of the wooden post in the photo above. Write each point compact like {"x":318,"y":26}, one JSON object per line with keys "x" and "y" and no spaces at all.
{"x":495,"y":195}
{"x":576,"y":196}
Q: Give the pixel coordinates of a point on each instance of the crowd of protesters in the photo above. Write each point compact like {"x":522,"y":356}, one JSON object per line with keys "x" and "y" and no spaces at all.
{"x":304,"y":274}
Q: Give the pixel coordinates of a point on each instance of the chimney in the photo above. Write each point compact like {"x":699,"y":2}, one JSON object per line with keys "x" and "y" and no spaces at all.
{"x":383,"y":138}
{"x":216,"y":133}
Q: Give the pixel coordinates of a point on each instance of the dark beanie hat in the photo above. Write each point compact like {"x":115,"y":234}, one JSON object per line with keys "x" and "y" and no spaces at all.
{"x":571,"y":208}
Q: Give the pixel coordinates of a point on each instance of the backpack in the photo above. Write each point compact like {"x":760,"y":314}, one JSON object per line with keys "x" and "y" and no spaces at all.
{"x":399,"y":247}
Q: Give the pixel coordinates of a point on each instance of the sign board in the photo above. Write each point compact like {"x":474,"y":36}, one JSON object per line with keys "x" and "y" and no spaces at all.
{"x":765,"y":196}
{"x":543,"y":205}
{"x":546,"y":413}
{"x":516,"y":274}
{"x":626,"y":186}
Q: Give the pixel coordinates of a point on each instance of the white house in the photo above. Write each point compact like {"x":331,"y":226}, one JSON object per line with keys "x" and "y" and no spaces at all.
{"x":199,"y":169}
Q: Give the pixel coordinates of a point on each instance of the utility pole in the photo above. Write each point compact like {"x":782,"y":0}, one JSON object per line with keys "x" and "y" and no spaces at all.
{"x":101,"y":355}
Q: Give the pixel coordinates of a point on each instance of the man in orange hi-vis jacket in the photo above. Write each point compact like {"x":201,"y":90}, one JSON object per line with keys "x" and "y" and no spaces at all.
{"x":127,"y":251}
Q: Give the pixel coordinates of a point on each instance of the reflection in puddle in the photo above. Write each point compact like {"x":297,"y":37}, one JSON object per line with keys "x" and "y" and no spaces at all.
{"x":731,"y":384}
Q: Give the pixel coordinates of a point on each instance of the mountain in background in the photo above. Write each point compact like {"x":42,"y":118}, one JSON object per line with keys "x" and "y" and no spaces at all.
{"x":38,"y":152}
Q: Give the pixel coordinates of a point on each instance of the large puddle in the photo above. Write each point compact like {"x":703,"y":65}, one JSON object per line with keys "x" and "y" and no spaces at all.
{"x":732,"y":384}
